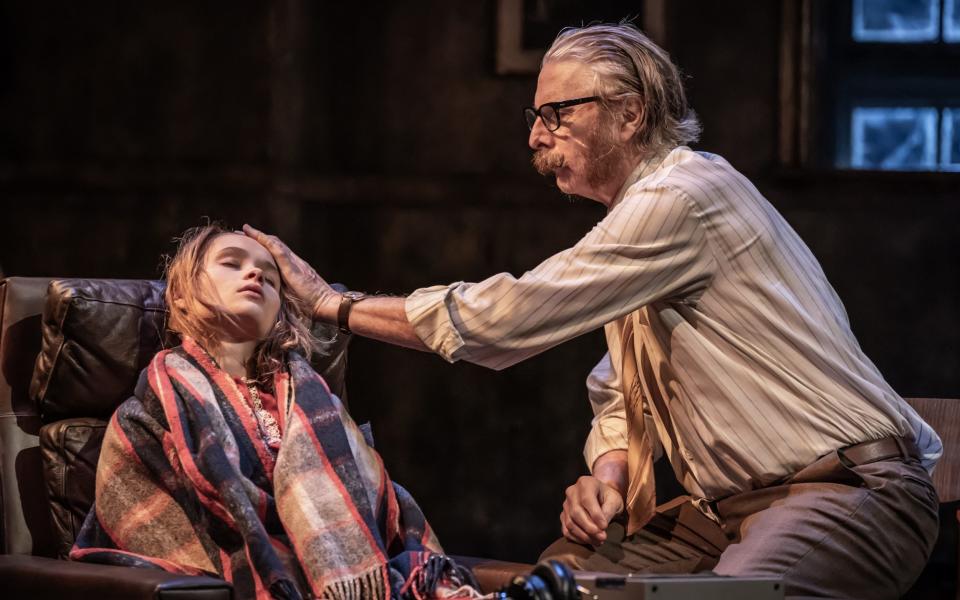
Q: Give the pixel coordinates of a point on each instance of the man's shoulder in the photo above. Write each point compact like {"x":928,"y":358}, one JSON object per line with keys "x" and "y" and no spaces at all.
{"x":685,"y":169}
{"x":698,"y":176}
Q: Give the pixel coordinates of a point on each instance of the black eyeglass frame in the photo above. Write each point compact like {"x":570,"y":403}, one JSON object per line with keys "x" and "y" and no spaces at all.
{"x":556,"y":106}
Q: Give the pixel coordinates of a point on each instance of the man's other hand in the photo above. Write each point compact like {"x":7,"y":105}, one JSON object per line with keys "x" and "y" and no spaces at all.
{"x":300,"y":277}
{"x":587,"y":510}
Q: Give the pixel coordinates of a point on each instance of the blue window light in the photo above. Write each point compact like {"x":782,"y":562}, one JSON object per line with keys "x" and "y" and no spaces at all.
{"x":896,"y":21}
{"x":895,"y":139}
{"x":950,"y":140}
{"x":951,"y":21}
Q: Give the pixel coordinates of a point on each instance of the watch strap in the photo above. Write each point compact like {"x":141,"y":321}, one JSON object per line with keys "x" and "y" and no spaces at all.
{"x":347,"y":300}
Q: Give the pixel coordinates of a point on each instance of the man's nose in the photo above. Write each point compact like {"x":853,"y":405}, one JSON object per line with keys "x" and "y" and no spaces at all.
{"x":539,"y":136}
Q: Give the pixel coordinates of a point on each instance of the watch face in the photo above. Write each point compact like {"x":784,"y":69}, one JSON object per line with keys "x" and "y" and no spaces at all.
{"x":355,"y":295}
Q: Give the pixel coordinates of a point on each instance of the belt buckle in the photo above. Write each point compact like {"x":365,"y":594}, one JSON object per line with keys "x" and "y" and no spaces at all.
{"x":842,"y":457}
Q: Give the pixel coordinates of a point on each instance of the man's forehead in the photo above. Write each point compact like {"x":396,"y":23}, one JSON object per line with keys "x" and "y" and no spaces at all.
{"x":564,"y":80}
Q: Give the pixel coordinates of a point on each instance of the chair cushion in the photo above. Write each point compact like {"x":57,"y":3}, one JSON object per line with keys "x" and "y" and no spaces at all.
{"x":71,"y":449}
{"x":331,"y":359}
{"x":97,"y":335}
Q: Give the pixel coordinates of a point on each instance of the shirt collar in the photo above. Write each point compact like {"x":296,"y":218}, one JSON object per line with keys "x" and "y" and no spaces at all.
{"x":645,"y":167}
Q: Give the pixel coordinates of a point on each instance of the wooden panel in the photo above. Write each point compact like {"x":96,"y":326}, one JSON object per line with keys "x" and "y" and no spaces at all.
{"x":943,"y":414}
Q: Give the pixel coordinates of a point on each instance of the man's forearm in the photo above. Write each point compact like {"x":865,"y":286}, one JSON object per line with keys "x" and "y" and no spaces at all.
{"x":611,"y":469}
{"x":379,"y":318}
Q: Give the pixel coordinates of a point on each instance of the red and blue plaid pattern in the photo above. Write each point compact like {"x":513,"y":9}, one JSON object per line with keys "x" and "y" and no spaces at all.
{"x":185,"y":483}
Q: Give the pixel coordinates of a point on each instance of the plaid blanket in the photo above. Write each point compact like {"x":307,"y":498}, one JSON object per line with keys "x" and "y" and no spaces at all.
{"x":185,"y":483}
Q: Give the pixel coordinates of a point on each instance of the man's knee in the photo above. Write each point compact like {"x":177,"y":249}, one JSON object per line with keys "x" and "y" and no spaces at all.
{"x":643,"y":552}
{"x":571,"y":554}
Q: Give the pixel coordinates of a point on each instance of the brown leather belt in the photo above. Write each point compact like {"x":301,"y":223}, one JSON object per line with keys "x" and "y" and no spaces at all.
{"x":889,"y":448}
{"x":835,"y":466}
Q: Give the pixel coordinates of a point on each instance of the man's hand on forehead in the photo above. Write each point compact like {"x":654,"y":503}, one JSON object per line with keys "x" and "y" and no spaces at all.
{"x":299,"y":276}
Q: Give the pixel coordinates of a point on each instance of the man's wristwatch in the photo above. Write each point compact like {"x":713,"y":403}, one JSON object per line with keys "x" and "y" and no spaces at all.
{"x":347,"y":300}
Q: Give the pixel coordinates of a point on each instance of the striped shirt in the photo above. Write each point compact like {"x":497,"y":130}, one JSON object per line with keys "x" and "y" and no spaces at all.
{"x":743,"y":341}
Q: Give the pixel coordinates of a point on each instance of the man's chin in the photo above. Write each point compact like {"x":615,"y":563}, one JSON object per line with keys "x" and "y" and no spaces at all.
{"x":563,"y":179}
{"x":572,"y":192}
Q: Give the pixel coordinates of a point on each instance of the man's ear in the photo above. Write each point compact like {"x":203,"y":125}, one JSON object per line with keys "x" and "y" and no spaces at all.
{"x":633,"y":117}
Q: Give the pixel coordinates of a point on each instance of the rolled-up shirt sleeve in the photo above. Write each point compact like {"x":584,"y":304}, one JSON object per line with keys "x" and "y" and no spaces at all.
{"x":650,"y":246}
{"x":608,"y":430}
{"x":427,"y":311}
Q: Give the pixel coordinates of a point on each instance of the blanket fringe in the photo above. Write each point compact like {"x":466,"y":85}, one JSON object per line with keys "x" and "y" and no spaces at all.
{"x":440,"y":577}
{"x":372,"y":584}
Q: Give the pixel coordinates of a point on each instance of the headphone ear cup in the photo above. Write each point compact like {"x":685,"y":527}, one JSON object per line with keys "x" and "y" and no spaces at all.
{"x":531,"y":587}
{"x":559,"y":578}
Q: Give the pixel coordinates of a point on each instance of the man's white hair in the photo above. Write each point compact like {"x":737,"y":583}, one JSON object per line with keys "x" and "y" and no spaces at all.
{"x":627,"y":64}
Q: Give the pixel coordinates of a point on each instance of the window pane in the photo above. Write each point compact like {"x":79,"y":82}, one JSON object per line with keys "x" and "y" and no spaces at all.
{"x":950,"y":140}
{"x":896,"y":20}
{"x":951,"y":21}
{"x":896,"y":139}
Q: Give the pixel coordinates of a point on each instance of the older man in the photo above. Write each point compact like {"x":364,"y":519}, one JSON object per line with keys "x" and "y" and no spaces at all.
{"x":728,"y":350}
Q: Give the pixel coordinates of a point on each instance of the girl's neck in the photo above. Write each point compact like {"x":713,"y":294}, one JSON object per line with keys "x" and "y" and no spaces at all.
{"x":234,"y":357}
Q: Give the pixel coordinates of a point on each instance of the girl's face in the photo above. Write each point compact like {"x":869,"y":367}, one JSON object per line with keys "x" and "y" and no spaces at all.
{"x":246,"y":282}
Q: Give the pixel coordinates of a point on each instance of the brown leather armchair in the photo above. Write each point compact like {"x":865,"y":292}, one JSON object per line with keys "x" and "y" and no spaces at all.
{"x":68,"y":357}
{"x":70,"y":352}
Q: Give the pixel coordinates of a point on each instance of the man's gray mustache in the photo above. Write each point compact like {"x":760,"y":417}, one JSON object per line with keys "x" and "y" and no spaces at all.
{"x":546,"y":163}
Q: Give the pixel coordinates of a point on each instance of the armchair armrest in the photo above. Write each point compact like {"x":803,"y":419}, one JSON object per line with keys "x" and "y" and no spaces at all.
{"x":41,"y":578}
{"x":493,"y":574}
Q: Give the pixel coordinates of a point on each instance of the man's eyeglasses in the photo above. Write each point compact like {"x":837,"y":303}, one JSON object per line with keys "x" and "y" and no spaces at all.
{"x":549,"y":112}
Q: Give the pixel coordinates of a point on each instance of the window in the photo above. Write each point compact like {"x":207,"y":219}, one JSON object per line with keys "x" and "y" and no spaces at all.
{"x":896,"y":21}
{"x":893,"y":138}
{"x":874,"y":85}
{"x":950,"y":139}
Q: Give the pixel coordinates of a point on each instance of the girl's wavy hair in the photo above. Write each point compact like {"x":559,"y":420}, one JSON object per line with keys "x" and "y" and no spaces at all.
{"x":627,"y":64}
{"x":186,"y":279}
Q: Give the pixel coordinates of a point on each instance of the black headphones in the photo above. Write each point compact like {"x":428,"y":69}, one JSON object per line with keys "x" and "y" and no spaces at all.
{"x":549,"y":580}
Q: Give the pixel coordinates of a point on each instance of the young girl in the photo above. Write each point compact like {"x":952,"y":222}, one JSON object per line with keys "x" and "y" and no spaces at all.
{"x":233,"y":459}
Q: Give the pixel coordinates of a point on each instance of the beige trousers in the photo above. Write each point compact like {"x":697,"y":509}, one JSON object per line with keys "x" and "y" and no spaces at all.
{"x":856,"y":532}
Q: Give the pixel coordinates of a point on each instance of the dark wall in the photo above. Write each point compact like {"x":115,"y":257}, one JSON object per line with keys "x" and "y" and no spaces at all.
{"x":378,"y":141}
